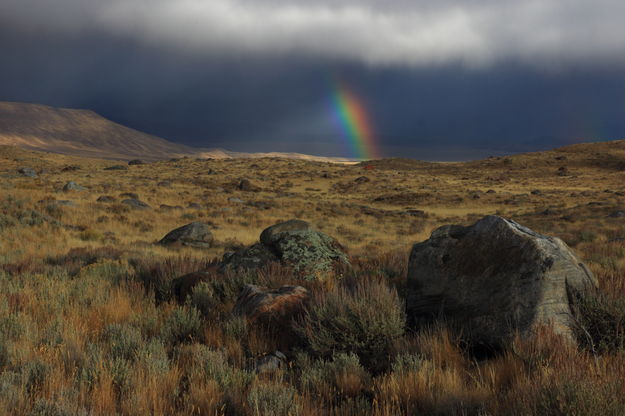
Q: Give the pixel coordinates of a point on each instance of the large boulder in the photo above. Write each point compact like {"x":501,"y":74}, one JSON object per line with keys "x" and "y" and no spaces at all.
{"x":310,"y":253}
{"x":495,"y":278}
{"x":195,"y":234}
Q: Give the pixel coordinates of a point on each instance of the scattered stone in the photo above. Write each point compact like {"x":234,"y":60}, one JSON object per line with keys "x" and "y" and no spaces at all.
{"x":195,"y":234}
{"x":136,"y":162}
{"x":563,"y":171}
{"x":494,"y":279}
{"x":130,"y":195}
{"x":236,"y":200}
{"x":61,"y":203}
{"x":617,"y":214}
{"x":70,"y":168}
{"x":28,"y":172}
{"x":136,"y":204}
{"x":194,"y":205}
{"x":311,"y":254}
{"x":106,"y":199}
{"x":166,"y":207}
{"x":536,"y":192}
{"x":73,"y":186}
{"x":362,"y":179}
{"x":491,"y":191}
{"x":415,"y":213}
{"x":117,"y":167}
{"x":164,"y":184}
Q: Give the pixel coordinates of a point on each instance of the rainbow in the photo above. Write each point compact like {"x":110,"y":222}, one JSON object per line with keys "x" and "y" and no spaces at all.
{"x":351,"y":115}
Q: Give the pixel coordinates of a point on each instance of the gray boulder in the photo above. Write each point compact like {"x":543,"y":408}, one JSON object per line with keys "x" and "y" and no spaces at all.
{"x":195,"y":234}
{"x":136,"y":204}
{"x":73,"y":186}
{"x":494,"y":279}
{"x":311,"y":254}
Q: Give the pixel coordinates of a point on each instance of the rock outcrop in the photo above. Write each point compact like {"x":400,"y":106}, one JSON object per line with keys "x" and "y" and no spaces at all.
{"x":494,"y":279}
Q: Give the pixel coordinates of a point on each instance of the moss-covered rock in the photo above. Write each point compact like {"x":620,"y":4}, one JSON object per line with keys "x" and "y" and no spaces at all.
{"x":311,"y":254}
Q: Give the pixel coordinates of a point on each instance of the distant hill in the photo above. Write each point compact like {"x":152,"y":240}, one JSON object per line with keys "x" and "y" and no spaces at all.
{"x":85,"y":133}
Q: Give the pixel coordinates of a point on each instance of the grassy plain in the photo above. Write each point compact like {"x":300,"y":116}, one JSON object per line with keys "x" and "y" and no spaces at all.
{"x":82,"y":330}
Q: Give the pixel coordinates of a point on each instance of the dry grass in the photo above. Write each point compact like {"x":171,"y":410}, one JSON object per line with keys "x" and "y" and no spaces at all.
{"x":88,"y":325}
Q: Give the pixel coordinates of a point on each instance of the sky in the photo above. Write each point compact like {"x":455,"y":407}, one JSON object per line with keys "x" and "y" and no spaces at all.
{"x":434,"y":80}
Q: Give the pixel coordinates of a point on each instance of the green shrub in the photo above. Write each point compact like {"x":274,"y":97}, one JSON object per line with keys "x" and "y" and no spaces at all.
{"x":343,"y":374}
{"x":272,"y":399}
{"x":123,"y":341}
{"x":364,"y":319}
{"x":121,"y":373}
{"x":206,"y":364}
{"x":203,"y":298}
{"x":153,"y":357}
{"x":183,"y":325}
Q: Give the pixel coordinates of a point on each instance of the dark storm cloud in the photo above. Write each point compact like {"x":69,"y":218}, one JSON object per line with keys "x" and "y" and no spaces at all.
{"x":398,"y":32}
{"x":441,"y":80}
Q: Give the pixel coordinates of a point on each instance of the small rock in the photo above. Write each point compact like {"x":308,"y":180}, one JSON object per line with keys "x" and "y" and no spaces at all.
{"x":28,"y":172}
{"x":362,"y":179}
{"x":236,"y":200}
{"x":617,"y":214}
{"x":130,"y":195}
{"x":106,"y":199}
{"x":194,"y":205}
{"x":73,"y":186}
{"x":166,"y":207}
{"x":164,"y":184}
{"x":536,"y":192}
{"x":195,"y":234}
{"x":71,"y":168}
{"x":136,"y":204}
{"x":136,"y":162}
{"x":117,"y":167}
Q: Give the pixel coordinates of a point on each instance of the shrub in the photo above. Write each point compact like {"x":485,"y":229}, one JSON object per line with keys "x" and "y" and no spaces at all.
{"x":601,"y":322}
{"x":342,"y":374}
{"x":123,"y":341}
{"x":364,"y":319}
{"x":183,"y":325}
{"x":272,"y":399}
{"x":203,"y":298}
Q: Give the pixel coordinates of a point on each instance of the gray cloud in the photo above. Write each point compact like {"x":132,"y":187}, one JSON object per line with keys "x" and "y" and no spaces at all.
{"x":417,"y":33}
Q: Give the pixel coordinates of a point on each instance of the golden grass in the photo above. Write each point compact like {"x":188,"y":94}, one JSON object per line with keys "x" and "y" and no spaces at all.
{"x":59,"y":305}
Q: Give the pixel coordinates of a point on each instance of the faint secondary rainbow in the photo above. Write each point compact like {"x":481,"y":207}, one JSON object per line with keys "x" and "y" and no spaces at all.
{"x":350,"y":113}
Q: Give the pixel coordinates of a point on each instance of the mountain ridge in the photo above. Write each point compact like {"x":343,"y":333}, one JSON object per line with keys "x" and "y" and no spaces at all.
{"x":80,"y":132}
